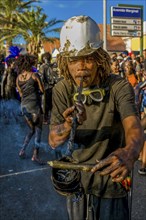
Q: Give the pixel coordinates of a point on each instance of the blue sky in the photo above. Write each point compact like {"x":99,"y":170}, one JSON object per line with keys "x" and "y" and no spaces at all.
{"x":94,"y":8}
{"x":64,"y":9}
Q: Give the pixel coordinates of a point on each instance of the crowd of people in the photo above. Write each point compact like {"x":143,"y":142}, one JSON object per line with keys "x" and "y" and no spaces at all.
{"x":95,"y":105}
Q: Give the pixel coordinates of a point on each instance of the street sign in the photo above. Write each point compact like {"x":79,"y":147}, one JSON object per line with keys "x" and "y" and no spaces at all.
{"x":125,"y":21}
{"x":126,"y":12}
{"x":121,"y":33}
{"x":126,"y":27}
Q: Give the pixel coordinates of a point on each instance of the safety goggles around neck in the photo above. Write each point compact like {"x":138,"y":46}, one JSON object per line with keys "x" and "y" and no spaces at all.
{"x":96,"y":95}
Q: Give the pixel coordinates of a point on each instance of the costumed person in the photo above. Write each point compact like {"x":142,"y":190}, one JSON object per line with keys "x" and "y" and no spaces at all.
{"x":8,"y":85}
{"x":108,"y":135}
{"x":30,"y":88}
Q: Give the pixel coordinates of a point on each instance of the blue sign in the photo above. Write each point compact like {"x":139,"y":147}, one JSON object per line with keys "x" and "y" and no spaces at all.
{"x":126,"y":12}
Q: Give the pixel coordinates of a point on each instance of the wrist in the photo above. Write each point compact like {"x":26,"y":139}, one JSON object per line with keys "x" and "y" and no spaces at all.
{"x":67,"y":126}
{"x":63,"y":129}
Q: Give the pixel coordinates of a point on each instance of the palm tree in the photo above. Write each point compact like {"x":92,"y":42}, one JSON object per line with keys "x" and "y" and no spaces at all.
{"x":8,"y":17}
{"x":34,"y":28}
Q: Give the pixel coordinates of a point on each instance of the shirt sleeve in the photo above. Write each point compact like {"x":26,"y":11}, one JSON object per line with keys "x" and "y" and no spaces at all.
{"x":61,"y":100}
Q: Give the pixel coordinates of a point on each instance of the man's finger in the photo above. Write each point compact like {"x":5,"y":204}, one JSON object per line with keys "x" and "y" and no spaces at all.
{"x":121,"y":176}
{"x":68,"y":111}
{"x":117,"y":172}
{"x":101,"y":164}
{"x":110,"y":169}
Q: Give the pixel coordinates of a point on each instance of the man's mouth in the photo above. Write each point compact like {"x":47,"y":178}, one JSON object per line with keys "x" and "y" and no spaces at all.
{"x":85,"y":78}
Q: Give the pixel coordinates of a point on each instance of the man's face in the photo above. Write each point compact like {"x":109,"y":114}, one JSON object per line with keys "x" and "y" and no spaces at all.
{"x":85,"y":67}
{"x":115,"y":67}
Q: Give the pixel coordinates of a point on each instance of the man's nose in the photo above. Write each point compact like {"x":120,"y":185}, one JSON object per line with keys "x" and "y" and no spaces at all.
{"x":82,"y":63}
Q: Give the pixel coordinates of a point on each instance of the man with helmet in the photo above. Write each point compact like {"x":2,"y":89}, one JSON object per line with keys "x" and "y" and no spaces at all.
{"x":108,"y":135}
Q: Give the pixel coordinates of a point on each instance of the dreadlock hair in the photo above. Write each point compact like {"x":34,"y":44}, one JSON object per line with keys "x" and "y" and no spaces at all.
{"x":25,"y":63}
{"x":102,"y":59}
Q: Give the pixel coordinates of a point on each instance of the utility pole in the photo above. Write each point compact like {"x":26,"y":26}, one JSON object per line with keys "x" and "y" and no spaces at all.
{"x":104,"y":25}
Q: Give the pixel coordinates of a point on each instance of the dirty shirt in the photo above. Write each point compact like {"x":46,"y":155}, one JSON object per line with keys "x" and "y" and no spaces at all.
{"x":101,"y":133}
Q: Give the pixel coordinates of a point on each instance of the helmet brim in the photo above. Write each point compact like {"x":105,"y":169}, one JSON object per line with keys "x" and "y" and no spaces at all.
{"x":88,"y":50}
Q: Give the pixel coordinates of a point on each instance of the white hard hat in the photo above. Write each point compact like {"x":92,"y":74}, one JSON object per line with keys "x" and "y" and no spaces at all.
{"x":79,"y":36}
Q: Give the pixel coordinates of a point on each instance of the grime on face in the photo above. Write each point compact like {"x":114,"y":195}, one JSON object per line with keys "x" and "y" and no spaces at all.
{"x":83,"y":67}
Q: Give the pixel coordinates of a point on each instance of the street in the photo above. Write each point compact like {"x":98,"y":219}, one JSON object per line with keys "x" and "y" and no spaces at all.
{"x":26,"y":191}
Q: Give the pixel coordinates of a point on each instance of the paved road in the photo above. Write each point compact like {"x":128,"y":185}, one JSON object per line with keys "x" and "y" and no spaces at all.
{"x":26,"y":191}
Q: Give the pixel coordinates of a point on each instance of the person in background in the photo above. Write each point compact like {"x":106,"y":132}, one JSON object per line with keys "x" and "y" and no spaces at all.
{"x":140,"y":100}
{"x":96,"y":110}
{"x":120,"y":61}
{"x":125,"y":55}
{"x":142,"y":61}
{"x":119,"y":58}
{"x":142,"y":170}
{"x":129,"y":73}
{"x":138,"y":69}
{"x":48,"y":80}
{"x":113,"y":55}
{"x":115,"y":66}
{"x":30,"y":89}
{"x":8,"y":84}
{"x":133,"y":57}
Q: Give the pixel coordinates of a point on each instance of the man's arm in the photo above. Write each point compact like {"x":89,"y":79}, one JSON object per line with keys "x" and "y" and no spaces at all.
{"x":59,"y":133}
{"x":119,"y":163}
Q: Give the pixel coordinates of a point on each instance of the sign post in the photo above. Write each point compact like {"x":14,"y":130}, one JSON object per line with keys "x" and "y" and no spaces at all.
{"x":127,"y":21}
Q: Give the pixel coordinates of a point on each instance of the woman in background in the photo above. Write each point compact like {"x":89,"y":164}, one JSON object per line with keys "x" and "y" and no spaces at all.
{"x":30,"y":89}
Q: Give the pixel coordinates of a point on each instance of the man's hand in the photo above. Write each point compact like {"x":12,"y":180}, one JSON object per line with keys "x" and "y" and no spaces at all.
{"x":117,"y":165}
{"x":80,"y":113}
{"x":68,"y":115}
{"x":120,"y":162}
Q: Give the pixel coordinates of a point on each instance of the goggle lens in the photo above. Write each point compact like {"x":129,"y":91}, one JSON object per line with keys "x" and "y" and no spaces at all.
{"x":96,"y":95}
{"x":82,"y":98}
